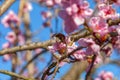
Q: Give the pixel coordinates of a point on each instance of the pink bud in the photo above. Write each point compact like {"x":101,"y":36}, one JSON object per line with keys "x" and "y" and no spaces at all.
{"x":38,"y":50}
{"x":27,"y":7}
{"x":57,"y":1}
{"x":6,"y":57}
{"x":21,"y":39}
{"x":11,"y":37}
{"x":49,"y":3}
{"x":11,"y":17}
{"x":6,"y":45}
{"x":46,"y":15}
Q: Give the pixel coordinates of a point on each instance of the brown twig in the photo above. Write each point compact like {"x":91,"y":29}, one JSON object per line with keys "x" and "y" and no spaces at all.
{"x":114,"y":22}
{"x":32,"y":46}
{"x":55,"y":63}
{"x":5,"y":6}
{"x":55,"y":70}
{"x":75,"y":37}
{"x":15,"y":75}
{"x":21,"y":6}
{"x":31,"y":60}
{"x":90,"y":69}
{"x":41,"y":72}
{"x":48,"y":70}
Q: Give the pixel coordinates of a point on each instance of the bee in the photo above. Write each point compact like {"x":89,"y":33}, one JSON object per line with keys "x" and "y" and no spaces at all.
{"x":60,"y":36}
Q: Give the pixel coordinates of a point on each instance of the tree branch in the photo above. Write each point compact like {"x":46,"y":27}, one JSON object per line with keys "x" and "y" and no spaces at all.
{"x":47,"y":72}
{"x":32,"y":46}
{"x":90,"y":69}
{"x":31,"y":60}
{"x":5,"y":6}
{"x":15,"y":75}
{"x":75,"y":71}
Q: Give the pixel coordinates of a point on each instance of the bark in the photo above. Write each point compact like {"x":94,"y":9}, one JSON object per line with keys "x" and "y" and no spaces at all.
{"x":75,"y":71}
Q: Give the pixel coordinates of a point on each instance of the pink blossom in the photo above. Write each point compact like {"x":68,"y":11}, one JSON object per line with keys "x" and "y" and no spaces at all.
{"x":51,"y":48}
{"x":112,"y":29}
{"x":117,"y":2}
{"x":72,"y":9}
{"x":118,"y":30}
{"x":99,"y":25}
{"x":49,"y":3}
{"x":105,"y":75}
{"x":93,"y":49}
{"x":21,"y":39}
{"x":27,"y":7}
{"x":6,"y":57}
{"x":6,"y":45}
{"x":38,"y":50}
{"x":80,"y":55}
{"x":11,"y":37}
{"x":106,"y":11}
{"x":78,"y":20}
{"x":58,"y":46}
{"x":11,"y":17}
{"x":91,"y":46}
{"x":84,"y":5}
{"x":74,"y":12}
{"x":68,"y":19}
{"x":85,"y":42}
{"x":97,"y":79}
{"x":70,"y":48}
{"x":57,"y":1}
{"x":62,"y":47}
{"x":46,"y":15}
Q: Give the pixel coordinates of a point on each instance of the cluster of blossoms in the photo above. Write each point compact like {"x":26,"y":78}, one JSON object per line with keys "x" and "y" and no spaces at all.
{"x":8,"y":20}
{"x":11,"y":37}
{"x":47,"y":16}
{"x":90,"y":48}
{"x":74,"y":13}
{"x":11,"y":20}
{"x":107,"y":11}
{"x":105,"y":75}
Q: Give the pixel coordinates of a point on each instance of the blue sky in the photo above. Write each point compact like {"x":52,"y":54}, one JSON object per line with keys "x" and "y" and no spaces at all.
{"x":36,"y":22}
